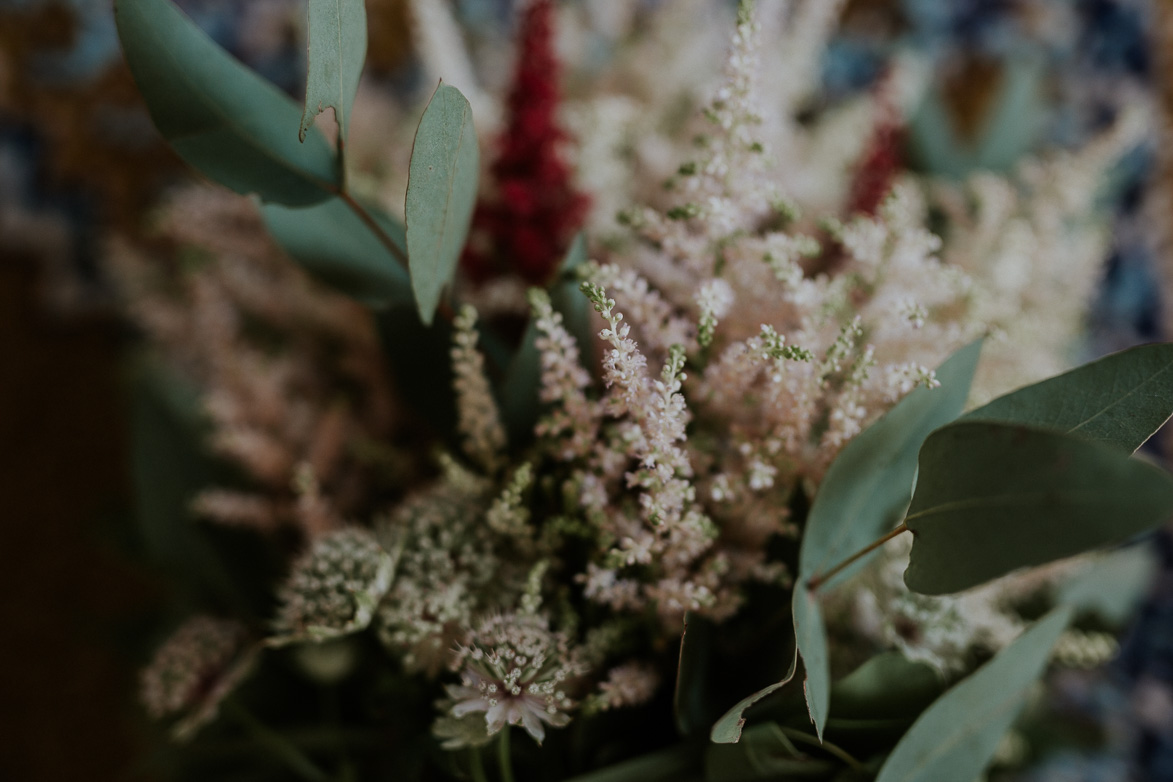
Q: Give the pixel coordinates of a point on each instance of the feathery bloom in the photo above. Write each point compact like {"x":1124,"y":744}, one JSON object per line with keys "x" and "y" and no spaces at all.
{"x":533,"y":211}
{"x":194,"y":670}
{"x":478,"y":420}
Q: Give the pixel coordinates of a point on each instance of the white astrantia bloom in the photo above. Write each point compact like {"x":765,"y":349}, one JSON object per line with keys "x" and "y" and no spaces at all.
{"x":334,"y":588}
{"x":515,"y":671}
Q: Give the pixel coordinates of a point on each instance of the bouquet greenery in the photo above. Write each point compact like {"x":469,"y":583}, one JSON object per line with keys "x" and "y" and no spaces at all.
{"x":641,"y":516}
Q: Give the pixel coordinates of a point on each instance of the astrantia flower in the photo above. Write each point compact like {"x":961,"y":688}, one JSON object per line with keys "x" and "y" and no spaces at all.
{"x":515,"y":670}
{"x":194,"y":670}
{"x":333,"y":588}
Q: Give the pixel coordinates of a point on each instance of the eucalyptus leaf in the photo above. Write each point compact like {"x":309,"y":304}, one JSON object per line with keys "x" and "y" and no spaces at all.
{"x":567,"y":298}
{"x":727,"y":729}
{"x":226,"y":121}
{"x":335,"y":246}
{"x":336,"y":52}
{"x":887,"y":686}
{"x":518,"y":391}
{"x":960,"y":732}
{"x":994,"y":497}
{"x":1120,"y":399}
{"x":765,"y":752}
{"x":811,"y":636}
{"x":869,"y":484}
{"x":1113,"y":585}
{"x":441,"y":194}
{"x":690,"y":699}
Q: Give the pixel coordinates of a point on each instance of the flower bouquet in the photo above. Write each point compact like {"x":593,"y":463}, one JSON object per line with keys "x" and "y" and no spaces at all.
{"x":700,"y":499}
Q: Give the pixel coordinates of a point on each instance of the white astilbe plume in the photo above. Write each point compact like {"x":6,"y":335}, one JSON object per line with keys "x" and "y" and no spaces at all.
{"x":572,"y":420}
{"x":478,"y":420}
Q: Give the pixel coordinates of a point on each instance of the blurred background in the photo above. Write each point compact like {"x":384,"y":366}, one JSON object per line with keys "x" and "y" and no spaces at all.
{"x":80,"y":162}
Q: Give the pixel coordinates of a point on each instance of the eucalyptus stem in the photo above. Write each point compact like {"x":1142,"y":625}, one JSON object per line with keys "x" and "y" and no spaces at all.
{"x":293,"y":758}
{"x":477,"y":765}
{"x":444,"y":309}
{"x":374,"y":226}
{"x":819,"y":579}
{"x":504,"y":758}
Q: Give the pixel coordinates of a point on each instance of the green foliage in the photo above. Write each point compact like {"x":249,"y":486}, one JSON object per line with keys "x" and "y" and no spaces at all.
{"x":992,"y":497}
{"x":517,"y":394}
{"x":869,"y":484}
{"x":441,"y":194}
{"x":226,"y":121}
{"x":690,"y":699}
{"x":961,"y":730}
{"x":865,"y":491}
{"x":1112,"y":586}
{"x":887,"y":686}
{"x":334,"y":245}
{"x":1120,"y":399}
{"x":567,"y":299}
{"x":765,"y":752}
{"x":811,"y":637}
{"x":727,"y":730}
{"x":337,"y":50}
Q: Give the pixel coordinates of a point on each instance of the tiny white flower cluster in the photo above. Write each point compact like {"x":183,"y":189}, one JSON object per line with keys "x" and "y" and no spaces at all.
{"x":334,"y":588}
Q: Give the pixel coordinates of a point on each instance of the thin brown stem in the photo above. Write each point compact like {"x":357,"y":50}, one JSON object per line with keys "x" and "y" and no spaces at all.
{"x":821,"y":578}
{"x":444,"y":309}
{"x":374,"y":227}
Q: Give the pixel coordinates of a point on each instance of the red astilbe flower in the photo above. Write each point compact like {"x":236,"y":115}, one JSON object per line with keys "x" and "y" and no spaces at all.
{"x":882,"y":161}
{"x":525,"y":223}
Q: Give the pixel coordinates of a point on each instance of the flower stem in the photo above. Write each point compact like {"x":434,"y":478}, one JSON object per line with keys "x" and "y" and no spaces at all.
{"x":819,"y":579}
{"x":293,"y":758}
{"x":504,"y":757}
{"x":477,"y":765}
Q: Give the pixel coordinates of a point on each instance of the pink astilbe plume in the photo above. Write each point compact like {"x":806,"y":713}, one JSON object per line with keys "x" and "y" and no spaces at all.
{"x":525,"y":224}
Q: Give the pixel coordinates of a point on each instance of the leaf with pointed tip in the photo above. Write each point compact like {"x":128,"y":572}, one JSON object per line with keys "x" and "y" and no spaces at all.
{"x":960,"y":732}
{"x":869,"y":484}
{"x":336,"y":51}
{"x":1120,"y":399}
{"x":727,"y":730}
{"x":221,"y":118}
{"x":691,"y":697}
{"x":992,"y":497}
{"x":441,"y":194}
{"x":812,"y":646}
{"x":335,"y":246}
{"x":518,"y":390}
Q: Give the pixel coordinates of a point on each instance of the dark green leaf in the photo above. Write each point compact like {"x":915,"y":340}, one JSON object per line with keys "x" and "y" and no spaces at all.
{"x":869,"y":484}
{"x":1113,"y":585}
{"x":441,"y":193}
{"x":1121,"y":399}
{"x":812,"y":646}
{"x":221,"y":118}
{"x":991,"y":498}
{"x":956,"y":736}
{"x":681,"y":763}
{"x":421,"y":367}
{"x":334,"y":245}
{"x":764,"y":752}
{"x":727,"y":730}
{"x":568,"y":299}
{"x":690,"y":700}
{"x":887,"y":686}
{"x":337,"y":49}
{"x":518,"y":392}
